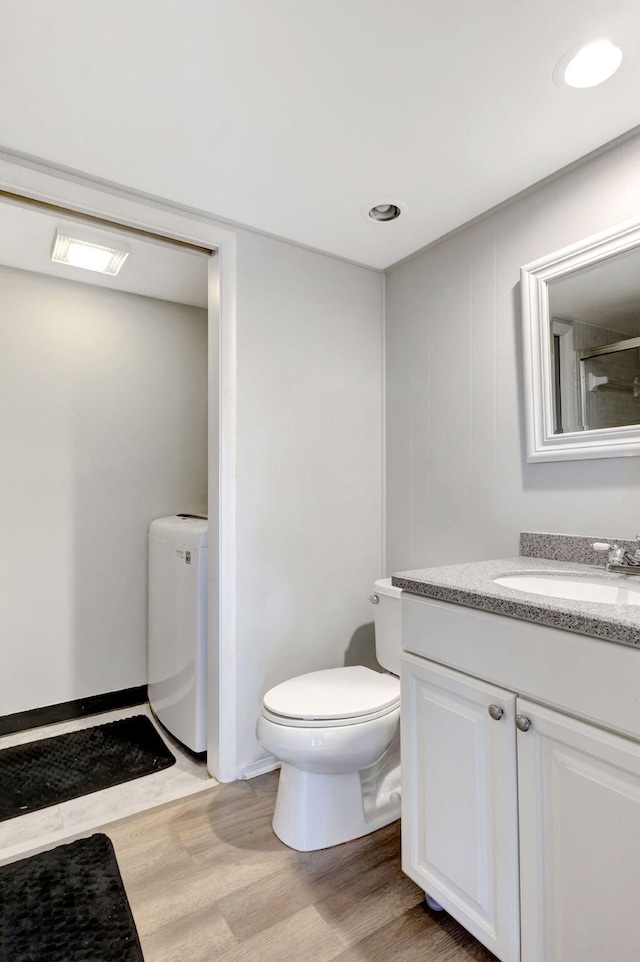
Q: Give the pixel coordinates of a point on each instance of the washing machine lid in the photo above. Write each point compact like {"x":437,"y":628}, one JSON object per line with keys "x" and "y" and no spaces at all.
{"x":181,"y":529}
{"x":334,"y":693}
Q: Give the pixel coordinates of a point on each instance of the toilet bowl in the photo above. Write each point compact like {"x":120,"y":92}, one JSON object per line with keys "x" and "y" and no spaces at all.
{"x":336,"y":733}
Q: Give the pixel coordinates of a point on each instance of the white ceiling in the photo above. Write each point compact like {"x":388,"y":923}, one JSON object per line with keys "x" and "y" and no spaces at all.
{"x":294,"y":117}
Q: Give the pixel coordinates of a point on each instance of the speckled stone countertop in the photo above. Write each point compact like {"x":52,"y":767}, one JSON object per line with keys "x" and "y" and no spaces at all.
{"x":473,"y":585}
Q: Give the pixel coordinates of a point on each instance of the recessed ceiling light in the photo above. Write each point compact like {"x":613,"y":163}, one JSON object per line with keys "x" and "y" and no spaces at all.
{"x":385,"y":212}
{"x":77,"y":252}
{"x":589,"y":65}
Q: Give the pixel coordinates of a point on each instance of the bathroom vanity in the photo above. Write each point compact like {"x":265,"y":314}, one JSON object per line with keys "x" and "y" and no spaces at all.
{"x":521,"y":759}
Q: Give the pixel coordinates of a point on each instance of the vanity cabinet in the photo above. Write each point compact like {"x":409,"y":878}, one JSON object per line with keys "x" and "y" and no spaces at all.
{"x":530,"y":838}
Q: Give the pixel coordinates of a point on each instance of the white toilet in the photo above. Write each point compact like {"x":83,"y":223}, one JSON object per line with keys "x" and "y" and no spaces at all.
{"x":337,"y":735}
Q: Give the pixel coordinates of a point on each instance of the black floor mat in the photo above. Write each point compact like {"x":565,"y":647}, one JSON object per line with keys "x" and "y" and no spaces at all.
{"x":53,"y":770}
{"x":67,"y":905}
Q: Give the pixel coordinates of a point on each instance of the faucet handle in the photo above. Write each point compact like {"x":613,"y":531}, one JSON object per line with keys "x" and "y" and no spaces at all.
{"x":616,"y":555}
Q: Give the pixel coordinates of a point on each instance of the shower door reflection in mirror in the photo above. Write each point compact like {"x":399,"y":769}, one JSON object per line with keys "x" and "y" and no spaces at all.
{"x":594,"y":315}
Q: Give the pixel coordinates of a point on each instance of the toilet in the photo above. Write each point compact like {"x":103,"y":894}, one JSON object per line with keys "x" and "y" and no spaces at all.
{"x":337,"y":735}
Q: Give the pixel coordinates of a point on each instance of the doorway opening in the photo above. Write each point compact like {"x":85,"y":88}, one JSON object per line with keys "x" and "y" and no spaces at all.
{"x":81,"y":195}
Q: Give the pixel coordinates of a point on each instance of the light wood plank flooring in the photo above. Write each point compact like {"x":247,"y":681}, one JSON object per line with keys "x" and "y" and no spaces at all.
{"x":208,"y":881}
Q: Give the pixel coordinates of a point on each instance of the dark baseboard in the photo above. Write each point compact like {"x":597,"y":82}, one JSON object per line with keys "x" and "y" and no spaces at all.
{"x":22,"y":721}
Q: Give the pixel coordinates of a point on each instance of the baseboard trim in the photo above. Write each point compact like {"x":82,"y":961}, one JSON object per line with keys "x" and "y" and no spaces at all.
{"x":22,"y":721}
{"x":261,"y":767}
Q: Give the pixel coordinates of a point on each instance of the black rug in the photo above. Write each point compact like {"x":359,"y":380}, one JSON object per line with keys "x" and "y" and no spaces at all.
{"x":67,"y":905}
{"x":53,"y":770}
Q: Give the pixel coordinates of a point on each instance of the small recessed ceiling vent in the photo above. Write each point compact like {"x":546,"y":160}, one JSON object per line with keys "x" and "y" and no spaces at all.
{"x":384,"y":212}
{"x":85,"y":253}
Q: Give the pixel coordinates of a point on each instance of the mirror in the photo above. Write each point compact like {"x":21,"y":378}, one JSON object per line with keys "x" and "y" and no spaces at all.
{"x":581,"y":325}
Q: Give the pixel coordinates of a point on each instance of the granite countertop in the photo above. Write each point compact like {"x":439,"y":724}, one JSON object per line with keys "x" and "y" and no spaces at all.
{"x":472,"y":584}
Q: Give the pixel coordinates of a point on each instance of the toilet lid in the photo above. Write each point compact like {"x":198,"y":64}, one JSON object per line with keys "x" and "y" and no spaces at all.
{"x":334,"y":693}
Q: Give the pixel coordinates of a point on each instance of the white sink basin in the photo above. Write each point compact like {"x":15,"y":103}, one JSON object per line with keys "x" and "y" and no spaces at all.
{"x":572,"y":588}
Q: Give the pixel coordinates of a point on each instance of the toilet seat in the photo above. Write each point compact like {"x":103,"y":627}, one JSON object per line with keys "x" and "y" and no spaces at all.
{"x":333,"y":698}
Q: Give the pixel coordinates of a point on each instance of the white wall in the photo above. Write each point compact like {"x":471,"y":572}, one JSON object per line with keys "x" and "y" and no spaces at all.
{"x":459,"y":487}
{"x":102,"y":428}
{"x":309,"y":469}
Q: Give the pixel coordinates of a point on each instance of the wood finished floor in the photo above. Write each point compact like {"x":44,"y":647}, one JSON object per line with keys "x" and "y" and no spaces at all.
{"x":208,"y":881}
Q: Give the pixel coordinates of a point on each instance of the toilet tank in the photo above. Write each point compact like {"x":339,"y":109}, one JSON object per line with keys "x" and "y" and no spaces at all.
{"x":386,"y":617}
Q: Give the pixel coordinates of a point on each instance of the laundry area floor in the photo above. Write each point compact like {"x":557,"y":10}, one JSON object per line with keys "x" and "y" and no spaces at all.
{"x":208,"y":880}
{"x":33,"y":832}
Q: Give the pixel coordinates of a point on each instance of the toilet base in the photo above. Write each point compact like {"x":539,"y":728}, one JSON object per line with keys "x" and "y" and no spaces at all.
{"x":317,"y":811}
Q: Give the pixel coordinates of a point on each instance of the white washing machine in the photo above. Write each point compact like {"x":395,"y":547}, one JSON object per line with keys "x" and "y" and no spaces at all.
{"x":177,"y":635}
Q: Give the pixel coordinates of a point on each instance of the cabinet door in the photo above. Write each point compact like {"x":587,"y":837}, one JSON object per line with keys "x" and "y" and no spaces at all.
{"x":459,"y":800}
{"x":579,"y":802}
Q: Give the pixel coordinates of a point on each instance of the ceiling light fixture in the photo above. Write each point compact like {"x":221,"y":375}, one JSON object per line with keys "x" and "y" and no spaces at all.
{"x":384,"y":212}
{"x":77,"y":252}
{"x":589,"y":64}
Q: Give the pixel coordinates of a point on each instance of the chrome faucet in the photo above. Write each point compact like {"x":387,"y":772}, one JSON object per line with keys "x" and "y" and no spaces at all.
{"x":620,"y":559}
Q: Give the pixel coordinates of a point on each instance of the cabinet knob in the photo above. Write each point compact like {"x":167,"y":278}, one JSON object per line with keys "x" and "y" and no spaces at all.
{"x":523,"y":724}
{"x":496,"y":712}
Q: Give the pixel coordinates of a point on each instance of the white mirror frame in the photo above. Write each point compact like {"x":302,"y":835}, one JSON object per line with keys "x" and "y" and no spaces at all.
{"x":542,"y":443}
